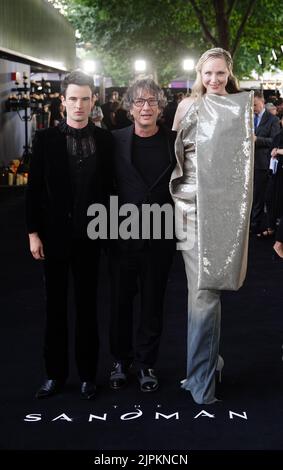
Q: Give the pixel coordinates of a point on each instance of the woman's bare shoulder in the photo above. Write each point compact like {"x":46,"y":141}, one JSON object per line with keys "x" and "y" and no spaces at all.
{"x":186,"y":102}
{"x":182,"y":109}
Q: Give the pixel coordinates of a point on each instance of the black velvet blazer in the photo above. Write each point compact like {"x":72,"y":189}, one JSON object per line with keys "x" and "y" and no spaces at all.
{"x":49,"y":196}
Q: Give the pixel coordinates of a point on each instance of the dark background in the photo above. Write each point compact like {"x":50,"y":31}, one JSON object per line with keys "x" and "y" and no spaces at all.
{"x":251,"y":344}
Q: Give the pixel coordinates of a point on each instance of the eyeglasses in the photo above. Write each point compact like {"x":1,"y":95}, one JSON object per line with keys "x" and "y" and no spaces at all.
{"x":140,"y":102}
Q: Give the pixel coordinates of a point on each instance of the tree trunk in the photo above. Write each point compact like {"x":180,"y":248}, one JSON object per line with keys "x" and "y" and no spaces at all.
{"x":222,"y":25}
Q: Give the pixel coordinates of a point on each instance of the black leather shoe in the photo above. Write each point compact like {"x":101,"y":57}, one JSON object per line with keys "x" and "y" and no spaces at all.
{"x":49,"y":387}
{"x":118,"y":377}
{"x":148,"y":381}
{"x":88,"y":391}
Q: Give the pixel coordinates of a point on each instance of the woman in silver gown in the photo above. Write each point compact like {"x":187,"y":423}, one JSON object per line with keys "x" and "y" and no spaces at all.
{"x":212,"y":189}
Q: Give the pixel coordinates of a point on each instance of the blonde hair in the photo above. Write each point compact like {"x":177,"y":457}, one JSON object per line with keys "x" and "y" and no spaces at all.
{"x":217,"y":52}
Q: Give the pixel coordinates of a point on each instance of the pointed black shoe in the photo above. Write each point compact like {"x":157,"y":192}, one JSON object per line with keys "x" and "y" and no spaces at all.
{"x":49,"y":388}
{"x":88,"y":391}
{"x":148,"y":381}
{"x":118,"y":377}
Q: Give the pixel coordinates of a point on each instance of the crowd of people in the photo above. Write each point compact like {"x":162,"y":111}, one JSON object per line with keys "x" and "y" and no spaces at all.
{"x":201,"y":170}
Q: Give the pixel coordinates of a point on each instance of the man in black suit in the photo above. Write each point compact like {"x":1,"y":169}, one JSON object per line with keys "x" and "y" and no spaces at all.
{"x":69,"y":170}
{"x":266,"y":127}
{"x":107,"y":109}
{"x":144,"y":159}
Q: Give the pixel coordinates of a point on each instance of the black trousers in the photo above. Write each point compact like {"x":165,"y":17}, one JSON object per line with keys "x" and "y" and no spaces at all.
{"x":83,"y":262}
{"x":145,"y":271}
{"x":259,"y":197}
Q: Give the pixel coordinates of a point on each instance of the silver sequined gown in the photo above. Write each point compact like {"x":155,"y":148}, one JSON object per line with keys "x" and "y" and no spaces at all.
{"x":212,"y":183}
{"x":203,"y":305}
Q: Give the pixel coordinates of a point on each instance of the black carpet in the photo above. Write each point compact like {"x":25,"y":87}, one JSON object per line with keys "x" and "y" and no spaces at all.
{"x":249,"y":417}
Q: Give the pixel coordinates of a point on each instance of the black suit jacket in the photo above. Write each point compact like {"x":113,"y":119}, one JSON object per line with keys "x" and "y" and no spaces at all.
{"x":131,"y":188}
{"x":49,"y":193}
{"x":268,"y":128}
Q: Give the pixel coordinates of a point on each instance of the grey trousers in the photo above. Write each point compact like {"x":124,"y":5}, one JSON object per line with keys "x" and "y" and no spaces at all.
{"x":204,"y":318}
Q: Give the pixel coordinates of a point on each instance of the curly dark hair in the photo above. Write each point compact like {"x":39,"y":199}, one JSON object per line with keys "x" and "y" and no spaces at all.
{"x":77,"y":77}
{"x":134,"y":92}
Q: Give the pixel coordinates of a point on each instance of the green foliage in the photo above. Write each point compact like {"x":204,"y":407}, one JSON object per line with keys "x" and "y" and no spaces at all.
{"x":263,"y":33}
{"x":165,"y":31}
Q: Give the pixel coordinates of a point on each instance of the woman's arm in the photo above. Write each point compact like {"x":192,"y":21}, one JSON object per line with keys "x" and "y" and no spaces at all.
{"x":182,"y":109}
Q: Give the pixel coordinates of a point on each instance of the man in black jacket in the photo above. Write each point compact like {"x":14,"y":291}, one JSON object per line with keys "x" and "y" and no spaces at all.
{"x":266,"y":127}
{"x":69,"y":170}
{"x":144,"y":159}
